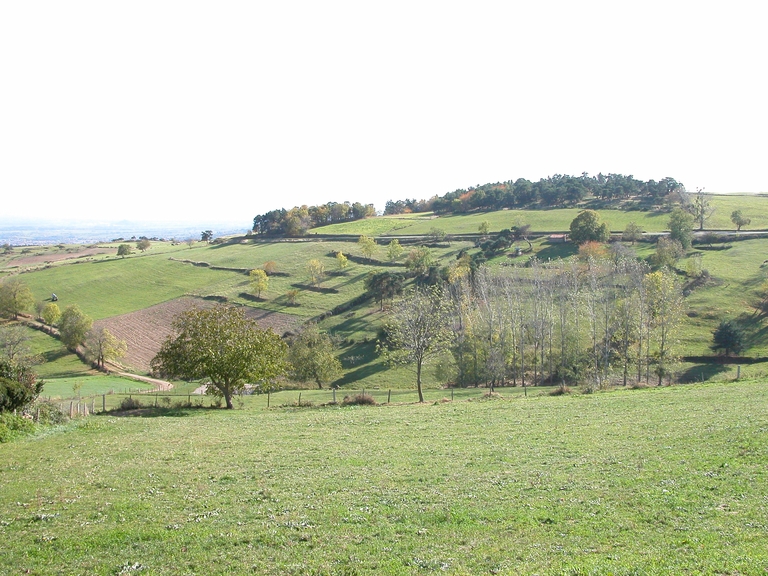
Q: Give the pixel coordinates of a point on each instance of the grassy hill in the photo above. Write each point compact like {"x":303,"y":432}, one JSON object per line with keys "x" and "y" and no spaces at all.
{"x":126,"y":291}
{"x":656,"y":481}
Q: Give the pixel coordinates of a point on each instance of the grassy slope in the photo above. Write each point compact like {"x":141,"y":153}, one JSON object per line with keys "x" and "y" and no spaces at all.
{"x":754,"y":207}
{"x":658,"y":481}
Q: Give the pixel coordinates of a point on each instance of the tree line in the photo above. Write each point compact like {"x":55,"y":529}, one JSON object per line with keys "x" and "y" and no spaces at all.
{"x":299,"y":219}
{"x":559,"y":322}
{"x":554,"y":191}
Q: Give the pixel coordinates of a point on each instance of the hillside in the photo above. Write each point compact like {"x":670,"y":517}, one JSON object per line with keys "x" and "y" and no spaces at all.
{"x":137,"y":296}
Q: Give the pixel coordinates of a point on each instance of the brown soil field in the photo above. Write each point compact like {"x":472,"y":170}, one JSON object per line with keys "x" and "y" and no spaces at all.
{"x":58,"y":256}
{"x":145,"y":330}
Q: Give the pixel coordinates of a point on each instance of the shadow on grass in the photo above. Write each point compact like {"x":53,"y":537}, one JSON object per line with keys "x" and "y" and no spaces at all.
{"x":53,"y":355}
{"x":362,"y":355}
{"x":157,"y":411}
{"x":702,"y":372}
{"x":555,"y":251}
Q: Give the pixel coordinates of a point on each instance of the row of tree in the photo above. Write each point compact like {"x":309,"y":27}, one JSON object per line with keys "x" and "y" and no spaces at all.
{"x":557,"y":322}
{"x":299,"y":219}
{"x":557,"y":190}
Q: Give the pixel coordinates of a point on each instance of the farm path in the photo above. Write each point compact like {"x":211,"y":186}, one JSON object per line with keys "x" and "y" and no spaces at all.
{"x":161,"y":385}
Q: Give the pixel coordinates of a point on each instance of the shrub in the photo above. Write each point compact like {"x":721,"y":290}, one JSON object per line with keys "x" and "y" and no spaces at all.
{"x":130,"y":403}
{"x":12,"y":426}
{"x":359,"y":400}
{"x":48,"y":412}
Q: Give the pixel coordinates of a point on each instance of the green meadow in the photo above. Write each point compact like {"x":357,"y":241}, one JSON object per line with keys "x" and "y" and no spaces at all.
{"x":655,"y":481}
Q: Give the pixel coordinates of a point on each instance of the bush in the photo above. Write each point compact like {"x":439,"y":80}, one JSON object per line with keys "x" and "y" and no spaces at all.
{"x":49,"y":412}
{"x":12,"y":426}
{"x":359,"y":400}
{"x":130,"y":404}
{"x":15,"y":395}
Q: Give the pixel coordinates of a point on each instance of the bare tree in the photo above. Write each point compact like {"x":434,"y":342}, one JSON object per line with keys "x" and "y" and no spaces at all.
{"x":418,"y":329}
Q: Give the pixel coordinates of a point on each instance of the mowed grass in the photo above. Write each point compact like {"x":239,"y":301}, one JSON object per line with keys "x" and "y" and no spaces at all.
{"x":656,"y":481}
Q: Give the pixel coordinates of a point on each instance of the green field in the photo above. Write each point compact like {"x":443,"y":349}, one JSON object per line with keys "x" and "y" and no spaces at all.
{"x":657,"y":481}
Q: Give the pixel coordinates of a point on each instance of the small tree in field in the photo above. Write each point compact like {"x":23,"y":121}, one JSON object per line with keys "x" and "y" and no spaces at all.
{"x":739,"y":220}
{"x":341,"y":260}
{"x":316,"y":270}
{"x":15,"y":297}
{"x":270,"y":267}
{"x":259,"y":281}
{"x":418,"y":329}
{"x":367,"y":246}
{"x":311,"y":356}
{"x":124,"y":250}
{"x":51,"y":313}
{"x":728,"y":337}
{"x":394,"y":250}
{"x":73,"y":326}
{"x":632,"y":233}
{"x":223,"y":347}
{"x":104,"y":347}
{"x":143,"y":245}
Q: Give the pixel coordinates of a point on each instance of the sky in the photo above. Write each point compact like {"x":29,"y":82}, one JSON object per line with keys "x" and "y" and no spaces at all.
{"x":171,"y":110}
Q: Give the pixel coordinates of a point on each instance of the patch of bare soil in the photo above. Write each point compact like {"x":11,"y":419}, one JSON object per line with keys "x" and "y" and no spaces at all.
{"x":58,"y":256}
{"x":145,"y":330}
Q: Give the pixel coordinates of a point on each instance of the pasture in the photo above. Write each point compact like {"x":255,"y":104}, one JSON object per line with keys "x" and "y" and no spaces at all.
{"x":655,"y":481}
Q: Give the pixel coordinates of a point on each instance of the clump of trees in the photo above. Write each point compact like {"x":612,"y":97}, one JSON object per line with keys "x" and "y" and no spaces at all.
{"x":587,"y":227}
{"x":557,"y":190}
{"x":299,"y":219}
{"x":15,"y":297}
{"x":558,"y":322}
{"x":74,"y":326}
{"x":102,"y":346}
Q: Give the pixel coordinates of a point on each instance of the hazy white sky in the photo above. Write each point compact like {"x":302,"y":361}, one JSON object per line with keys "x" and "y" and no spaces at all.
{"x":159,"y":109}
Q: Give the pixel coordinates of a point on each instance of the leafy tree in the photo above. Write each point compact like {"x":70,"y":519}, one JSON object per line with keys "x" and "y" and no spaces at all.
{"x":419,"y":260}
{"x":223,"y":347}
{"x":729,"y":337}
{"x":700,"y":208}
{"x":51,"y":313}
{"x":104,"y":347}
{"x":19,"y":385}
{"x":437,"y":234}
{"x":259,"y":281}
{"x":739,"y":220}
{"x":14,"y":345}
{"x":292,"y":297}
{"x":384,"y":286}
{"x":124,"y":250}
{"x":394,"y":250}
{"x":311,"y":357}
{"x":190,"y":242}
{"x":586,"y":227}
{"x":484,"y":227}
{"x":668,"y":252}
{"x":142,"y":245}
{"x":418,"y":329}
{"x":341,"y":260}
{"x":681,"y":227}
{"x":632,"y":233}
{"x":15,"y":297}
{"x":316,"y":270}
{"x":206,"y":236}
{"x":592,"y":251}
{"x":665,"y":301}
{"x":693,"y":268}
{"x":367,"y":246}
{"x":73,"y":326}
{"x":270,"y":267}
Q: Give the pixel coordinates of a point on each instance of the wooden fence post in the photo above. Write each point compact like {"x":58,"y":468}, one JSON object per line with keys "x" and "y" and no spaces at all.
{"x":103,"y":402}
{"x":389,"y":396}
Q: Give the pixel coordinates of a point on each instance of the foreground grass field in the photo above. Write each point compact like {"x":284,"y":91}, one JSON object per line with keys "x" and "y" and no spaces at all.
{"x":656,"y":481}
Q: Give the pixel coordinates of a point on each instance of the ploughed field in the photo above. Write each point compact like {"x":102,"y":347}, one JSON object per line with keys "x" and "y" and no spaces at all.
{"x":654,"y":481}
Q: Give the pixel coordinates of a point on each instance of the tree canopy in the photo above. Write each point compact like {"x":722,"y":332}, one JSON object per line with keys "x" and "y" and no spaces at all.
{"x":311,"y":356}
{"x":73,"y":326}
{"x":15,"y":297}
{"x":224,"y":348}
{"x":586,"y":227}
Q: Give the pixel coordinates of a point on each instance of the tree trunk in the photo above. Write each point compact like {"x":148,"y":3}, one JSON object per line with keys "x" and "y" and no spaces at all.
{"x":227,"y":397}
{"x":418,"y":380}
